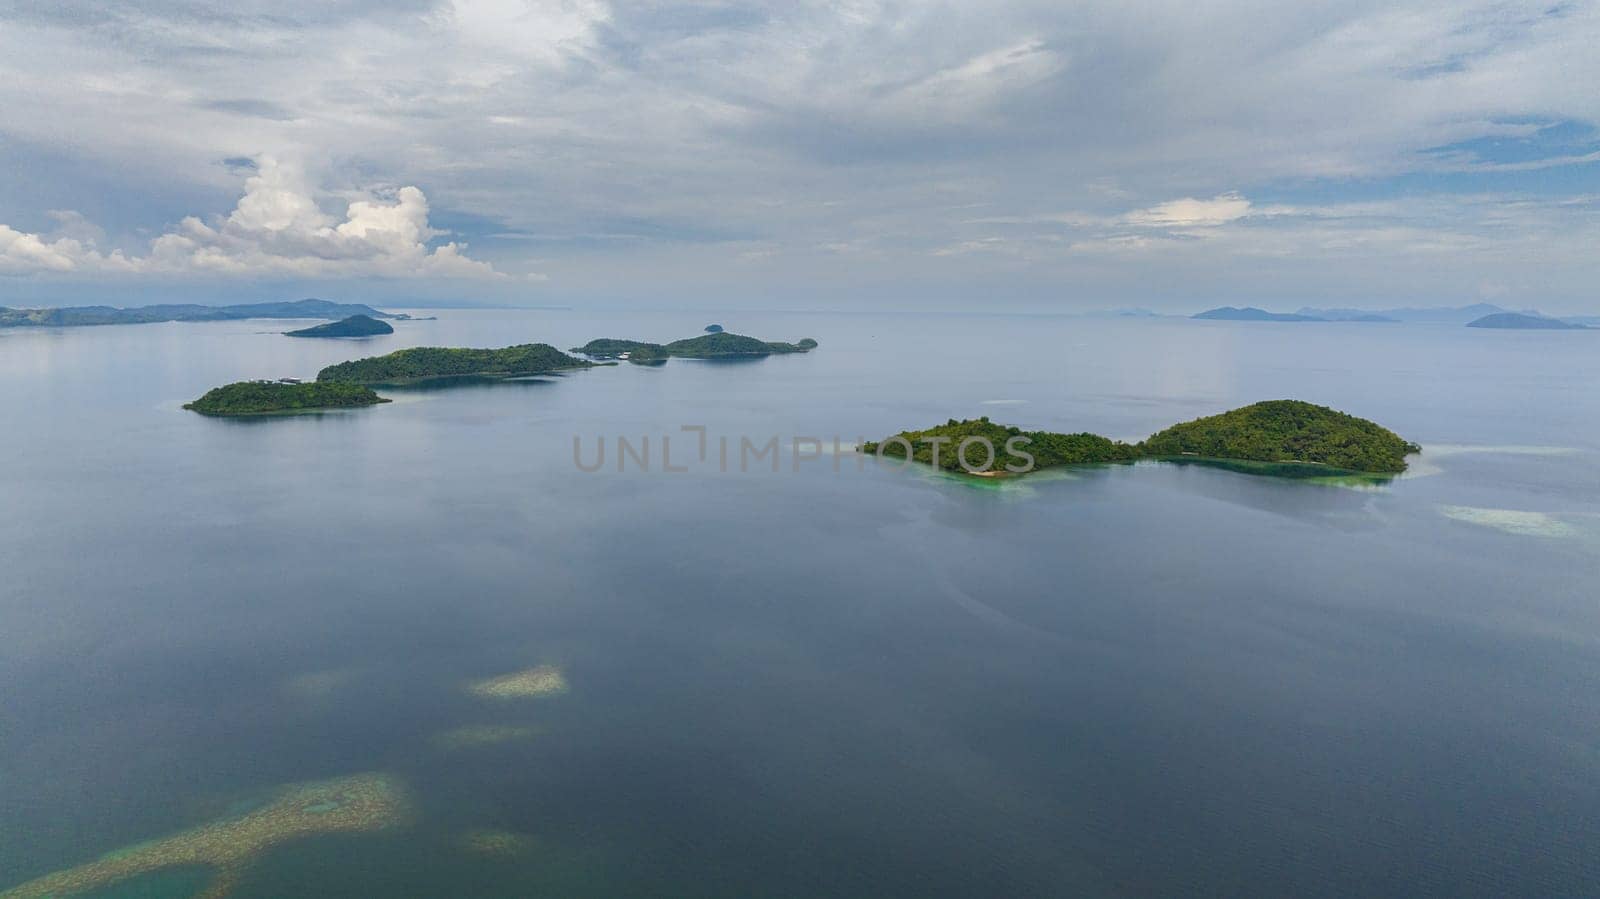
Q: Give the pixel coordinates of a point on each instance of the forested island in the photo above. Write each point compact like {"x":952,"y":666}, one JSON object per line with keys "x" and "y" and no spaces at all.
{"x":78,"y":316}
{"x":715,"y":345}
{"x":1293,"y":437}
{"x":277,"y":397}
{"x":941,"y":445}
{"x":354,"y":326}
{"x":430,"y":363}
{"x":1287,"y":431}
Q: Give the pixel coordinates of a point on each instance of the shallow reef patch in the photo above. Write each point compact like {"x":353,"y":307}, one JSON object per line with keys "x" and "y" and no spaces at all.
{"x":545,"y":680}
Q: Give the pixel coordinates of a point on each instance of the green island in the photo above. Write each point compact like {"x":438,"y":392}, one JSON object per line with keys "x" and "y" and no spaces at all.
{"x":1277,"y":437}
{"x":278,"y":397}
{"x":430,"y":363}
{"x":354,"y":326}
{"x":1014,"y":447}
{"x":716,"y":345}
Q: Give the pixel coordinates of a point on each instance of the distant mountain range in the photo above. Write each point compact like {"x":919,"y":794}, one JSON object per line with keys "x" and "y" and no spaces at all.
{"x":1252,"y":314}
{"x":1516,"y":321}
{"x":74,"y":316}
{"x":1446,"y":315}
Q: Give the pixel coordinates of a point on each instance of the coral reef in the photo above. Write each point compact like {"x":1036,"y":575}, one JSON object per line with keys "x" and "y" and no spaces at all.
{"x":496,"y":843}
{"x":546,"y":680}
{"x":362,"y":802}
{"x":481,"y":735}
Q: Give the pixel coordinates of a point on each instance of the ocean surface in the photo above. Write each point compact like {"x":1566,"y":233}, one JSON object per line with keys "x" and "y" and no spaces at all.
{"x":854,"y":680}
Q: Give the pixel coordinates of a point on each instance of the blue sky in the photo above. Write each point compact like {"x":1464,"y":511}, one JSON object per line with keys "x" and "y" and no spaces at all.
{"x":1007,"y":155}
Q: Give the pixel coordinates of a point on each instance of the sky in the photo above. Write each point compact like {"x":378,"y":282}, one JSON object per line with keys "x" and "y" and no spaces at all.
{"x":1003,"y":155}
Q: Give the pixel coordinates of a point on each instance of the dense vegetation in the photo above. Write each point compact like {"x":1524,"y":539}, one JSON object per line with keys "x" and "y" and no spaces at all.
{"x":719,"y":344}
{"x":1280,"y":432}
{"x":609,"y":348}
{"x":266,"y":397}
{"x":182,"y":312}
{"x":422,"y":363}
{"x":1045,"y":448}
{"x":354,"y":326}
{"x":1286,"y":431}
{"x":722,"y":343}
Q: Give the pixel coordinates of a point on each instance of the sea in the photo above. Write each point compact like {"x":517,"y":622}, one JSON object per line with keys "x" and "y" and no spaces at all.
{"x":732,"y":658}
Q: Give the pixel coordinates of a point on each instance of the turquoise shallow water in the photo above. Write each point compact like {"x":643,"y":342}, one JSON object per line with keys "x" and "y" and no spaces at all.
{"x":870,"y":682}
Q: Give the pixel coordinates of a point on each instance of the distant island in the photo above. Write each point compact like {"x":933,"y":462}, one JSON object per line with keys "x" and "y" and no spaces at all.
{"x":716,"y":345}
{"x":713,"y":329}
{"x":430,"y":363}
{"x":1288,"y":436}
{"x":1516,"y":321}
{"x":1447,"y":315}
{"x":354,"y":326}
{"x":277,"y":397}
{"x":349,"y":383}
{"x":77,"y":316}
{"x":1252,"y":314}
{"x":1478,"y":315}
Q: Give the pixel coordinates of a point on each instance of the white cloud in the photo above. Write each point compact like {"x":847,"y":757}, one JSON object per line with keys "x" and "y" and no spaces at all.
{"x":23,"y":253}
{"x":1192,"y":213}
{"x":277,"y":229}
{"x":539,"y":30}
{"x":670,"y":149}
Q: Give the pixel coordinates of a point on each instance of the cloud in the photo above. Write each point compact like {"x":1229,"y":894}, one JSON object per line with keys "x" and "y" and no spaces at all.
{"x":22,"y":253}
{"x":1192,"y":213}
{"x":277,"y":229}
{"x":631,"y":147}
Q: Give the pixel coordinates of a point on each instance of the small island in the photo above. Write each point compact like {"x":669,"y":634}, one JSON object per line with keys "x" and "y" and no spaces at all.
{"x":982,"y":448}
{"x":713,"y":329}
{"x":1517,"y":321}
{"x":354,"y":326}
{"x":1287,"y":431}
{"x":279,"y":397}
{"x":1282,"y":437}
{"x":716,"y":345}
{"x":433,"y":363}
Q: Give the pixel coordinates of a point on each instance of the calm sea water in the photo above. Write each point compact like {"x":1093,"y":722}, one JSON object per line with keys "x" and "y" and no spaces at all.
{"x":1134,"y":680}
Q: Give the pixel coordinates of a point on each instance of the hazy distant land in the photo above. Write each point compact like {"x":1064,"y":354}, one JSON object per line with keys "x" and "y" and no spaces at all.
{"x":1477,"y":315}
{"x":1516,"y":321}
{"x":354,"y":326}
{"x":1252,"y":314}
{"x":77,"y":316}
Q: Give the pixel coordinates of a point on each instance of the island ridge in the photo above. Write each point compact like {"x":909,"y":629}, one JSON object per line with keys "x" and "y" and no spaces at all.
{"x":273,"y":397}
{"x":354,"y":326}
{"x":1276,"y":432}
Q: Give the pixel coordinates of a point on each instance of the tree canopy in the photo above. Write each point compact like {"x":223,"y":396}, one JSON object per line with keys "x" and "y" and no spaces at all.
{"x":1277,"y":431}
{"x":1286,"y":431}
{"x":421,"y":363}
{"x":266,"y":397}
